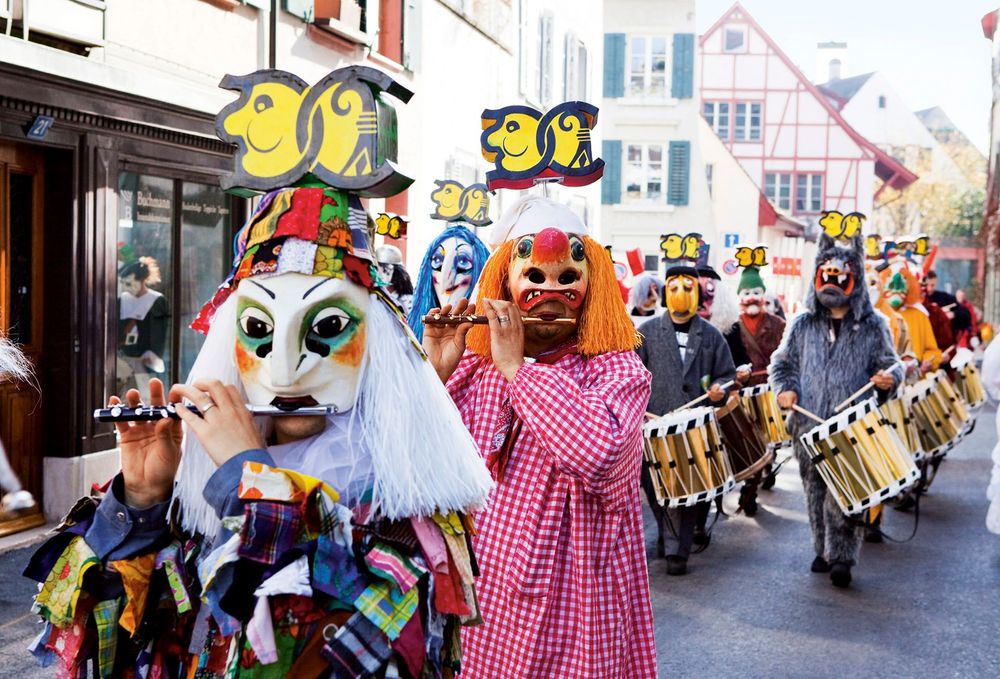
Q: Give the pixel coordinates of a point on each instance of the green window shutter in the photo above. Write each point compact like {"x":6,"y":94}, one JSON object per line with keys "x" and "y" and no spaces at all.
{"x":682,"y":73}
{"x":614,"y":65}
{"x":303,"y":9}
{"x":678,"y":172}
{"x":611,"y":184}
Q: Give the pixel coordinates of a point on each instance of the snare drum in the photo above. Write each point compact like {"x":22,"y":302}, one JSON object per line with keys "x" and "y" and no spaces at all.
{"x":939,"y":413}
{"x":861,"y":459}
{"x":748,"y":452}
{"x":762,"y":405}
{"x":686,"y":457}
{"x":897,"y":413}
{"x":968,"y":382}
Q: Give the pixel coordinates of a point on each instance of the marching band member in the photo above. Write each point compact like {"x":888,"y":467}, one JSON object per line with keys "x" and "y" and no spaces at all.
{"x":681,"y":344}
{"x":557,"y":410}
{"x":830,"y":350}
{"x":645,"y":298}
{"x":902,"y":292}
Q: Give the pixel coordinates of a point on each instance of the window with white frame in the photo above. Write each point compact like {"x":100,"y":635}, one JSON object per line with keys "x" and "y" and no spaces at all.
{"x":734,"y":39}
{"x":543,"y":59}
{"x":808,"y":192}
{"x":746,"y":121}
{"x":647,"y":66}
{"x":645,"y":171}
{"x":717,"y":115}
{"x":778,"y":189}
{"x":575,"y":69}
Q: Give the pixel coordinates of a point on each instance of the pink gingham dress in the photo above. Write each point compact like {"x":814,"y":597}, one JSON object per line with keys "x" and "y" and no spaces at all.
{"x":563,"y":587}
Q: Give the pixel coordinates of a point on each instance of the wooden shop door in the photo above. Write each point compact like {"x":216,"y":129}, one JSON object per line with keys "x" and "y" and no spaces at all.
{"x":21,"y":201}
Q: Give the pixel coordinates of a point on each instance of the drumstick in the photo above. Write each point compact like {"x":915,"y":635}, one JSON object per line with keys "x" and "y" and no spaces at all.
{"x":847,"y":401}
{"x":705,"y":395}
{"x":480,"y":319}
{"x":799,"y":409}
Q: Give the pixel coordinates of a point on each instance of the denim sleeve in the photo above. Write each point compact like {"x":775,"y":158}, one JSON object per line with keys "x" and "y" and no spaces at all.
{"x":120,"y":531}
{"x":221,"y":490}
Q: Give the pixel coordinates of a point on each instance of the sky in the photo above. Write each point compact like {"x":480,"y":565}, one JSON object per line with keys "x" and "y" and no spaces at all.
{"x":933,"y":52}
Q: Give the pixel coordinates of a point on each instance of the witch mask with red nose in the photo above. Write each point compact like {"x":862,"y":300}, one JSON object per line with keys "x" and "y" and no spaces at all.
{"x":548,"y":277}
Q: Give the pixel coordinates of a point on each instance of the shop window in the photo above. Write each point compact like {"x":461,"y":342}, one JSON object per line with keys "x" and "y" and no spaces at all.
{"x":172,"y":253}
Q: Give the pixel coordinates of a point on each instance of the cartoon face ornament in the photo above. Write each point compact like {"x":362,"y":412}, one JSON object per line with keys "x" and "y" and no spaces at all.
{"x":752,"y":301}
{"x":834,"y":282}
{"x":682,"y":292}
{"x":548,"y":278}
{"x":451,"y":270}
{"x":300,"y":340}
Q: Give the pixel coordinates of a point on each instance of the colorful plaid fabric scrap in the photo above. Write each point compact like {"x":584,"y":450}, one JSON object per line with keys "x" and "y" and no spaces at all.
{"x":270,"y":530}
{"x":106,"y":621}
{"x":387,"y":607}
{"x":359,"y":649}
{"x":335,"y":572}
{"x":389,"y":564}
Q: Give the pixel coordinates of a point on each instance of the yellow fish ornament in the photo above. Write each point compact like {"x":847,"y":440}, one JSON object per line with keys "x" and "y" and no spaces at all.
{"x":751,"y":256}
{"x":454,"y":202}
{"x":339,"y":130}
{"x":528,"y":146}
{"x":837,"y":225}
{"x":390,"y":225}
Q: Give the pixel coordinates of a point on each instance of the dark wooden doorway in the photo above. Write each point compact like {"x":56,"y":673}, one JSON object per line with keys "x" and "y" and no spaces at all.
{"x":22,"y":180}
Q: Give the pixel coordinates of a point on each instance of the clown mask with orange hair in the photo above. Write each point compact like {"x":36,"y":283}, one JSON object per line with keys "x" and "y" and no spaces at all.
{"x":546,"y":264}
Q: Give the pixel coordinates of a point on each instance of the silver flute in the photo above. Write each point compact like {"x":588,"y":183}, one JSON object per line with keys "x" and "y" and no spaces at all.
{"x":143,"y":413}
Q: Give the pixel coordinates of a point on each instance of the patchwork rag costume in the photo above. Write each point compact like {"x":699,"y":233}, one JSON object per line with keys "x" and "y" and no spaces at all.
{"x":344,"y":553}
{"x":563,"y":591}
{"x":823,"y":360}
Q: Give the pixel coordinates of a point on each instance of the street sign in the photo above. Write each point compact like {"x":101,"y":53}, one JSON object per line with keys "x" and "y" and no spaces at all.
{"x":40,"y":127}
{"x":730,"y":267}
{"x":731,"y":240}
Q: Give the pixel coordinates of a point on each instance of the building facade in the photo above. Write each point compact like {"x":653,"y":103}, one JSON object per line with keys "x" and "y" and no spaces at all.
{"x":108,"y":155}
{"x":787,"y":135}
{"x":990,"y":235}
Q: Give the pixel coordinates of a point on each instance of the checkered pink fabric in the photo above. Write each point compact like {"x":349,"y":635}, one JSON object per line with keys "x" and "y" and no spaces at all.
{"x":564,"y":591}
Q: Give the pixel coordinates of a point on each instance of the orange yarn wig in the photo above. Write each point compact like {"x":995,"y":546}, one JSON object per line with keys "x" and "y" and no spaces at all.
{"x":604,"y":324}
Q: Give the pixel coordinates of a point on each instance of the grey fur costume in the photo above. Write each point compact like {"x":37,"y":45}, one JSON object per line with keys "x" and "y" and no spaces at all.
{"x":823,"y":373}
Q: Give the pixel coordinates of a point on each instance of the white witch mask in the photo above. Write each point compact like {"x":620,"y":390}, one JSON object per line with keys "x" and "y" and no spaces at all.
{"x":300,"y":340}
{"x":451,"y":270}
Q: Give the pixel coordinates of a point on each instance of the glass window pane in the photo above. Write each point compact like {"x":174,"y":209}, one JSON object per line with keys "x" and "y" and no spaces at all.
{"x":637,"y":66}
{"x":800,"y":192}
{"x":817,"y":192}
{"x":145,"y":278}
{"x":19,"y":280}
{"x":633,"y":171}
{"x":708,"y":110}
{"x":658,"y":56}
{"x":205,"y":218}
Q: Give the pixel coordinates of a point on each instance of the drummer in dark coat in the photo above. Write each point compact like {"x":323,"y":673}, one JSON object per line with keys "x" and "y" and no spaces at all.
{"x":685,"y":354}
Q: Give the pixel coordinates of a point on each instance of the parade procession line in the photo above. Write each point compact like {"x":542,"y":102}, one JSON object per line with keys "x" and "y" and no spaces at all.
{"x":749,"y":607}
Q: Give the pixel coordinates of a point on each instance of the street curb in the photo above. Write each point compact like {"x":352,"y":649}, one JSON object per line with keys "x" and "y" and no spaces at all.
{"x":26,"y":538}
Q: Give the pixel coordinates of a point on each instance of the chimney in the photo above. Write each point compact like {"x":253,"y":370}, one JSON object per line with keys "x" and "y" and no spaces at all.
{"x":831,"y":61}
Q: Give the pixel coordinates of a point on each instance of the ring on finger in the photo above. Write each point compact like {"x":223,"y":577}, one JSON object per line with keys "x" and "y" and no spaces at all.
{"x":504,"y":319}
{"x":204,"y":409}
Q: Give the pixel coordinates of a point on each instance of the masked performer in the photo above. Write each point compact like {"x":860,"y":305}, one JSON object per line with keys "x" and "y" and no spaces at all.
{"x":901,"y":291}
{"x":395,"y":276}
{"x":645,"y":298}
{"x":719,"y":306}
{"x":941,"y":321}
{"x":685,"y":354}
{"x":14,"y":366}
{"x":557,"y":410}
{"x":448,"y":273}
{"x":306,"y":544}
{"x":831,"y":349}
{"x":142,"y":326}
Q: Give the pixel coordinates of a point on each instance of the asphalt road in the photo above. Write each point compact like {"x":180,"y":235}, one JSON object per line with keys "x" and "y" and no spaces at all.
{"x":749,"y":607}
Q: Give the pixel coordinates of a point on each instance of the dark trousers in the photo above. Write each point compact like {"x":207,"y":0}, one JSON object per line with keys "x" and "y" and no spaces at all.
{"x":684,"y":520}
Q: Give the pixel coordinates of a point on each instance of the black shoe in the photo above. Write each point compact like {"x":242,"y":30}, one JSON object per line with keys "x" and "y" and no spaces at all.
{"x":840,"y":574}
{"x":748,"y":501}
{"x":676,"y":565}
{"x":819,"y":565}
{"x":700,"y":537}
{"x":768,"y":482}
{"x":873,"y":535}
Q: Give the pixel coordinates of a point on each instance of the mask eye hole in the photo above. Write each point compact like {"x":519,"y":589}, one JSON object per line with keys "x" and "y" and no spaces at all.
{"x":536,"y":276}
{"x":463,"y":264}
{"x":524,"y":247}
{"x":256,"y":324}
{"x":569,"y":277}
{"x":437,"y":260}
{"x":262,"y":103}
{"x":576,"y":249}
{"x":330,"y":323}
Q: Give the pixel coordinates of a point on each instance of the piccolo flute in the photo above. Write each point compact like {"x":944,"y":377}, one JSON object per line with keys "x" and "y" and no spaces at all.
{"x":122,"y":413}
{"x":480,"y":319}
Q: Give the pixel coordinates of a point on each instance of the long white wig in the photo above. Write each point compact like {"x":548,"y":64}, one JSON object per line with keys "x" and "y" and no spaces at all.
{"x":725,"y":308}
{"x":14,"y":365}
{"x":422,"y":457}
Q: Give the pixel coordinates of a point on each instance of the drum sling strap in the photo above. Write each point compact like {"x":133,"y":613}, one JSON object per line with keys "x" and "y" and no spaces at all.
{"x":872,"y":527}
